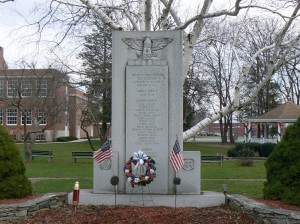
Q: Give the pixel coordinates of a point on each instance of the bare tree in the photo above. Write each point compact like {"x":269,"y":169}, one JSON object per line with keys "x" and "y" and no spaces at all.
{"x":257,"y":33}
{"x":137,"y":15}
{"x":279,"y":54}
{"x":289,"y":79}
{"x":29,"y":95}
{"x":216,"y":63}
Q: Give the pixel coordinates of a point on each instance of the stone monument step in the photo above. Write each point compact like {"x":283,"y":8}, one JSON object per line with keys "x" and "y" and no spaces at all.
{"x":205,"y":199}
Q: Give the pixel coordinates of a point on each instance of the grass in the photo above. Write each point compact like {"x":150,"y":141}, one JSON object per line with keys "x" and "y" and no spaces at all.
{"x":212,"y":175}
{"x":62,"y":164}
{"x":252,"y":189}
{"x":231,"y":170}
{"x":207,"y":148}
{"x":59,"y":185}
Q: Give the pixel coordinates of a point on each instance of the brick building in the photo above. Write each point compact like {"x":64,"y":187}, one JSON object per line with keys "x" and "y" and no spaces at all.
{"x":40,"y":102}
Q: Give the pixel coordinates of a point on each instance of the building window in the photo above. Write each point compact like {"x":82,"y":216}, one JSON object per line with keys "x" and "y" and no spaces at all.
{"x":41,"y":88}
{"x":26,"y":88}
{"x":40,"y":137}
{"x":1,"y":88}
{"x":11,"y":116}
{"x":12,"y":88}
{"x":41,"y":116}
{"x":1,"y":116}
{"x":28,"y":116}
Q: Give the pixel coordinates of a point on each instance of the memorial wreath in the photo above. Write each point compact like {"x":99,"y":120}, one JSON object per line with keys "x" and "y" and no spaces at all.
{"x":140,"y":159}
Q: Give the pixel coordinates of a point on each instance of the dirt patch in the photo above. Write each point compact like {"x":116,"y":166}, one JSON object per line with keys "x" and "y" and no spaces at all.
{"x":18,"y":200}
{"x":132,"y":214}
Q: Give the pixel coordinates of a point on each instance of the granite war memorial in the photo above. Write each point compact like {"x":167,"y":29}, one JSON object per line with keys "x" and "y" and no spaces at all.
{"x":147,"y":114}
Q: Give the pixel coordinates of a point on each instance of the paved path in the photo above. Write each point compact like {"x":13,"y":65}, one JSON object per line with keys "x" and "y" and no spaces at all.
{"x":36,"y":179}
{"x":237,"y":179}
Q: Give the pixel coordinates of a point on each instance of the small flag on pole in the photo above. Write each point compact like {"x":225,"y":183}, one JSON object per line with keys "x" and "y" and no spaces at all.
{"x":176,"y":157}
{"x":105,"y":152}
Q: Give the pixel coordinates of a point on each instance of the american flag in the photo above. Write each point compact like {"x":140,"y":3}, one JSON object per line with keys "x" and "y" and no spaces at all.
{"x":105,"y":152}
{"x":176,"y":157}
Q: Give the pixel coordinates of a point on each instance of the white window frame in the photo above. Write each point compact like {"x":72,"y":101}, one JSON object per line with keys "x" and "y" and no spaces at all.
{"x":1,"y":116}
{"x":12,"y":87}
{"x":41,"y":116}
{"x":41,"y":88}
{"x":40,"y":137}
{"x":28,"y":117}
{"x":1,"y":88}
{"x":11,"y":116}
{"x":26,"y":87}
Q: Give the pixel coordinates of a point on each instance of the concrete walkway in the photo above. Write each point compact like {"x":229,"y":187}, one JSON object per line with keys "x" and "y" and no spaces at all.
{"x":205,"y":199}
{"x":36,"y":179}
{"x":236,"y":179}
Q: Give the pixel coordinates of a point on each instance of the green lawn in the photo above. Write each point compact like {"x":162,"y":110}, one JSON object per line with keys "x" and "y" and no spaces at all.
{"x":231,"y":170}
{"x":207,"y":148}
{"x":59,"y":185}
{"x":63,"y":166}
{"x":252,"y":189}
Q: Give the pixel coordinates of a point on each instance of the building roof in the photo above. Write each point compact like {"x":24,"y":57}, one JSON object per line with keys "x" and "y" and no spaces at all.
{"x":287,"y":112}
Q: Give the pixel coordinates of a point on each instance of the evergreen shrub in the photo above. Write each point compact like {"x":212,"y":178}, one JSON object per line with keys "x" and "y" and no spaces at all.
{"x":246,"y":157}
{"x":266,"y":149}
{"x":283,"y":168}
{"x":66,"y":139}
{"x":262,"y":150}
{"x":13,"y":182}
{"x":234,"y":152}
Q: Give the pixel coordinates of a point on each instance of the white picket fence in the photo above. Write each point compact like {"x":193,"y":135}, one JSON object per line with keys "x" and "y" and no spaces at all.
{"x":259,"y":140}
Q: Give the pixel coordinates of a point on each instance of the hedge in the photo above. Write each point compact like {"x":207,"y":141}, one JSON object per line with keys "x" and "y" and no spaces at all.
{"x":262,"y":150}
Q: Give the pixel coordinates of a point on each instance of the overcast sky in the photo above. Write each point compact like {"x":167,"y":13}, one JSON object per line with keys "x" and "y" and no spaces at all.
{"x":10,"y":21}
{"x":17,"y":44}
{"x":16,"y":36}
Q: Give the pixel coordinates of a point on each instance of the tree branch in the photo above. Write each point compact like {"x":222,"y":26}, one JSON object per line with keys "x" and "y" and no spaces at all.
{"x":134,"y":24}
{"x":202,"y":15}
{"x":141,"y":14}
{"x":270,"y":70}
{"x":172,"y":12}
{"x":104,"y":18}
{"x":164,"y":16}
{"x":148,"y":9}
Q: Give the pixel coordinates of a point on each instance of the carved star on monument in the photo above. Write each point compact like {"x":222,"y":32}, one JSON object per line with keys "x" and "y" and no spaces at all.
{"x":146,"y":47}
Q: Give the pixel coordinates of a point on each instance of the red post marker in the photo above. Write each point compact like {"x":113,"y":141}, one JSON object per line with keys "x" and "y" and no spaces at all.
{"x":76,"y":193}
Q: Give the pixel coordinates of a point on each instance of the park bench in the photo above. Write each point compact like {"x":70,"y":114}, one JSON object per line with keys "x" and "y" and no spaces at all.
{"x":82,"y":155}
{"x":42,"y":153}
{"x":212,"y":159}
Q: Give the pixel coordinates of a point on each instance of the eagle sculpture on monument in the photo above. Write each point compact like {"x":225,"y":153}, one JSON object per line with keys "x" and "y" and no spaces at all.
{"x":146,"y":47}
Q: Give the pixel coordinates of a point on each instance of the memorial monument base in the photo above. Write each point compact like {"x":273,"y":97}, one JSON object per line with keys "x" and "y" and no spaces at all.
{"x":205,"y":199}
{"x":189,"y":175}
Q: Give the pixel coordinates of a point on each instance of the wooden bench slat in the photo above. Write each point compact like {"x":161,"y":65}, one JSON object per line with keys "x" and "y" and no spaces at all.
{"x":42,"y":153}
{"x":82,"y":155}
{"x":212,"y":159}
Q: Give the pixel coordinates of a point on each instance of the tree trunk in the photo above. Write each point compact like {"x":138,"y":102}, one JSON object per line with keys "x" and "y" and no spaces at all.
{"x":104,"y":132}
{"x":28,"y":151}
